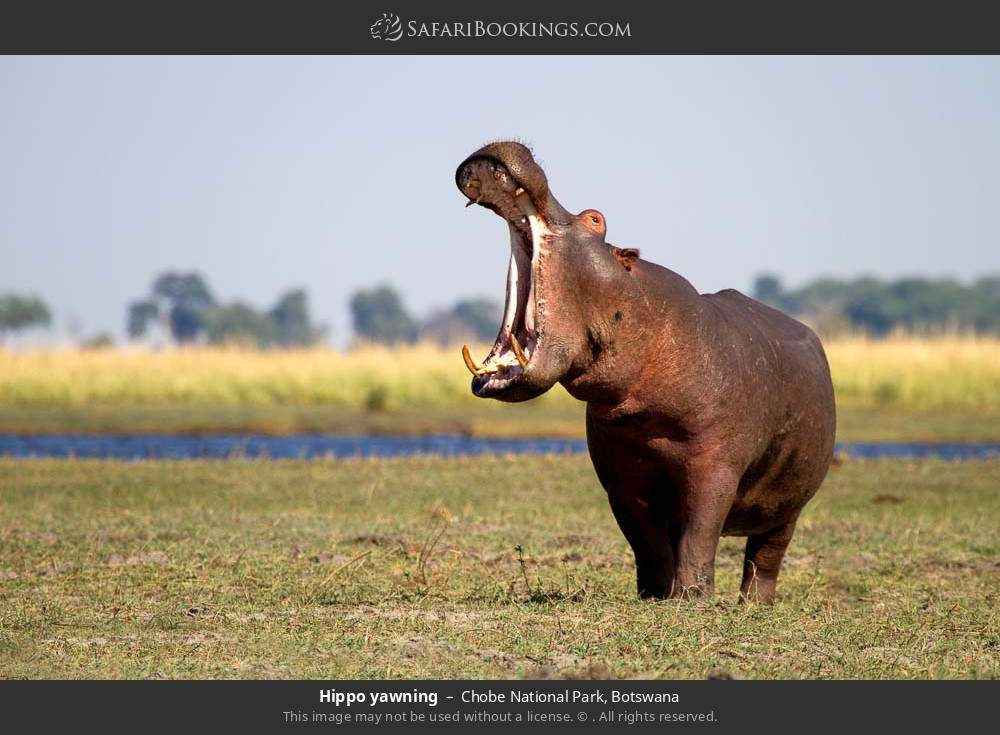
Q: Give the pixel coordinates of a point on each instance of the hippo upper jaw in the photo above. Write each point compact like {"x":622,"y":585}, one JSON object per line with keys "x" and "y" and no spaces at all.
{"x":517,"y":367}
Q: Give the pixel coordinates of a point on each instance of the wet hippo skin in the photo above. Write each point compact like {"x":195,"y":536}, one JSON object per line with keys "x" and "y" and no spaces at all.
{"x":707,"y":414}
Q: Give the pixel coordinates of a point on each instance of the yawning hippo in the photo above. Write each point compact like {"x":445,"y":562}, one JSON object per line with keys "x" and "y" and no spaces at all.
{"x":707,"y":414}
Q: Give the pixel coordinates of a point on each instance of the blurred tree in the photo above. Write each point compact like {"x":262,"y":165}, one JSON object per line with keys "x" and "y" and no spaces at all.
{"x":192,"y":311}
{"x":378,"y":315}
{"x":183,"y":288}
{"x":823,"y":294}
{"x":988,"y":287}
{"x":182,"y":297}
{"x":474,"y":319}
{"x":986,"y":303}
{"x":445,"y":328}
{"x":767,"y":288}
{"x":187,"y":296}
{"x":237,"y":323}
{"x":140,"y":314}
{"x":868,"y":305}
{"x":22,"y":312}
{"x":483,"y":315}
{"x":292,"y":324}
{"x":878,"y":307}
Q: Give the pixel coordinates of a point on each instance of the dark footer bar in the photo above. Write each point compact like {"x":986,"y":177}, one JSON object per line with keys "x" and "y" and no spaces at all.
{"x":525,"y":706}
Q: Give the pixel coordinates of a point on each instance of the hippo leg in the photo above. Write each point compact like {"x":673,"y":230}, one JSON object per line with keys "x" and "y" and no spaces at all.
{"x":696,"y":561}
{"x":708,"y":496}
{"x":764,"y":553}
{"x":648,"y":536}
{"x":641,"y":496}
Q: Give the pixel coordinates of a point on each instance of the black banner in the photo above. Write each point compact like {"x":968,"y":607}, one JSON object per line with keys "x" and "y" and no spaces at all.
{"x":524,"y":706}
{"x":513,"y":27}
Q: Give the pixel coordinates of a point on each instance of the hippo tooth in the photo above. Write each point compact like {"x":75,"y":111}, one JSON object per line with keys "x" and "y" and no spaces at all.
{"x":518,"y":191}
{"x":493,"y":363}
{"x":518,"y":352}
{"x":469,"y":362}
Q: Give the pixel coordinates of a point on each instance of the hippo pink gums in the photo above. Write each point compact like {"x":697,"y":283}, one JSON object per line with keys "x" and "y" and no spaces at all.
{"x":707,"y":414}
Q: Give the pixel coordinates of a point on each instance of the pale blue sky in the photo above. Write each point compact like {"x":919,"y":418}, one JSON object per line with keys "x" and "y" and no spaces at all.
{"x":335,"y":173}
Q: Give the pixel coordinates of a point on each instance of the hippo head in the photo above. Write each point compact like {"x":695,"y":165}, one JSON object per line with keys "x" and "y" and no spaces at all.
{"x":558,"y":261}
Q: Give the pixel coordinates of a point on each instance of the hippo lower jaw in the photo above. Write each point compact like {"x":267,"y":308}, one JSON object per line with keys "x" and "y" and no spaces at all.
{"x":489,"y":184}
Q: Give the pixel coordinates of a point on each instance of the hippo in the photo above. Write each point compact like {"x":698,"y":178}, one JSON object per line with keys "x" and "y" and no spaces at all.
{"x":706,"y":414}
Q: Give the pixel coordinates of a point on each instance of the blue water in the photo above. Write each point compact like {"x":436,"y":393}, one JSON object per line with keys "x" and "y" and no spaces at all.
{"x":309,"y":446}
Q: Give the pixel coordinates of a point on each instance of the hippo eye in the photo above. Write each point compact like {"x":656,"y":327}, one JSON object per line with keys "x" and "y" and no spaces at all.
{"x":595,"y":219}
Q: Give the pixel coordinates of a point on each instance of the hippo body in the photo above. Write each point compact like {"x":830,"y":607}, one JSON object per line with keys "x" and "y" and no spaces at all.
{"x":706,"y":414}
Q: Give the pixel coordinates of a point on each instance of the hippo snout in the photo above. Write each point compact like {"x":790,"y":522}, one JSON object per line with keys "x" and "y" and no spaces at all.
{"x":487,"y":182}
{"x":498,"y":172}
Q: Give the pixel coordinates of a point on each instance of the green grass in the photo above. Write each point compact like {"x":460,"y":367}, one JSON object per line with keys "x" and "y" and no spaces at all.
{"x":412,"y":569}
{"x":882,"y":425}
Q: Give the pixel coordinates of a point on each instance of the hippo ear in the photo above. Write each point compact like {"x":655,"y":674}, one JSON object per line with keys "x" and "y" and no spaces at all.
{"x":625,"y":256}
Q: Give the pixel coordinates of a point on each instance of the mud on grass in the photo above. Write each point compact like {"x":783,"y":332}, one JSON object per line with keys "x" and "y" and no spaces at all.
{"x":472,"y":568}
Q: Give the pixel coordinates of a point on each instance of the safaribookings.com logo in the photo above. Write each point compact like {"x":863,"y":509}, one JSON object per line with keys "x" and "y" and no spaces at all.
{"x":390,"y":28}
{"x":387,"y":28}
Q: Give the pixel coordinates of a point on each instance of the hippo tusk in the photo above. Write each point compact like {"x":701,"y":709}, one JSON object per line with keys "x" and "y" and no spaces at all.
{"x":518,"y":352}
{"x":519,"y":191}
{"x":469,"y":362}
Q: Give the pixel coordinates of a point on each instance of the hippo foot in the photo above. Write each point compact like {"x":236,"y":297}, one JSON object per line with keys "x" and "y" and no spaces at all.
{"x":754,"y":599}
{"x":654,"y":586}
{"x":762,"y":562}
{"x":654,"y":592}
{"x":693,"y":591}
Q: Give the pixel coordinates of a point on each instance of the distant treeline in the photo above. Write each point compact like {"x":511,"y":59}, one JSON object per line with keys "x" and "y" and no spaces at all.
{"x":19,"y":312}
{"x":878,"y":307}
{"x":866,"y":305}
{"x":378,"y":315}
{"x":182,"y":307}
{"x":184,"y":304}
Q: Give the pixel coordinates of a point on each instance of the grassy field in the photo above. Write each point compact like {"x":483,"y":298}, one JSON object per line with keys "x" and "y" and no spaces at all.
{"x":904,"y":388}
{"x":472,"y":568}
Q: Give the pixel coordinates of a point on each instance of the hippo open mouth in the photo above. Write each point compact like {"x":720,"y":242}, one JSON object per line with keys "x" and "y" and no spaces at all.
{"x":489,"y":183}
